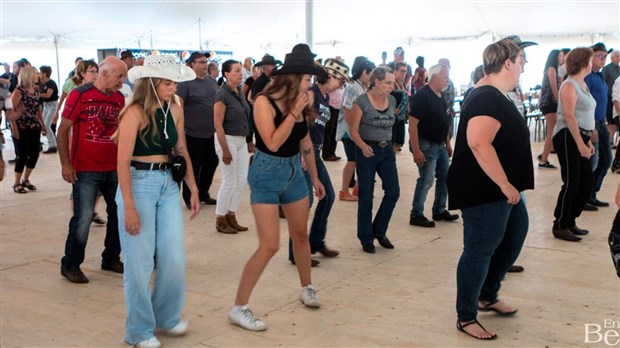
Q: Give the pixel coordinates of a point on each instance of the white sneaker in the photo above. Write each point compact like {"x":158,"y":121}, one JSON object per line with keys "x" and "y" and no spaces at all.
{"x":309,"y":297}
{"x":179,"y":329}
{"x":152,"y":342}
{"x":244,"y":317}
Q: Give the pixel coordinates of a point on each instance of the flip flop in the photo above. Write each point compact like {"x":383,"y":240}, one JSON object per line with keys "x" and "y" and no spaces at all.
{"x":461,"y":327}
{"x":488,"y":308}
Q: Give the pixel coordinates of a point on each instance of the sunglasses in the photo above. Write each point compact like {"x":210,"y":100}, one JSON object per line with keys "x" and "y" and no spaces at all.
{"x":600,"y":56}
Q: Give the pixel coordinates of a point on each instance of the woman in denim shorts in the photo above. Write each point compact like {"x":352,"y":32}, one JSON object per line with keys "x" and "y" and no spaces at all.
{"x":282,"y":113}
{"x":150,"y":221}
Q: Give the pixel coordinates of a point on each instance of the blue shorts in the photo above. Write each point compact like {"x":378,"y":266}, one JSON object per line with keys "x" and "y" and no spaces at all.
{"x":276,"y":180}
{"x":349,"y":149}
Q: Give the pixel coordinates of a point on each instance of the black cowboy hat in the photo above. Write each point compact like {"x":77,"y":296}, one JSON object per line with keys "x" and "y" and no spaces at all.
{"x":300,"y":61}
{"x":268,"y":60}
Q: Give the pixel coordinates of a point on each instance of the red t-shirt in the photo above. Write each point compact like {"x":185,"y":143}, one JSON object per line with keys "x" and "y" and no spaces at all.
{"x":95,"y":119}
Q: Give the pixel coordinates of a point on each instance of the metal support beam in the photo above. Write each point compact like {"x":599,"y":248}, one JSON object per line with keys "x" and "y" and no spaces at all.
{"x":309,"y":22}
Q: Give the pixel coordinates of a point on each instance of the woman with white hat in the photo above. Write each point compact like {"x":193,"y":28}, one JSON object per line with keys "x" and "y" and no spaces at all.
{"x":282,"y":114}
{"x":149,"y":209}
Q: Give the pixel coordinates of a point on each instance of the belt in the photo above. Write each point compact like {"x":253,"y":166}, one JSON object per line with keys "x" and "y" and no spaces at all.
{"x":151,"y":166}
{"x":585,"y":133}
{"x":382,"y":143}
{"x":318,"y":147}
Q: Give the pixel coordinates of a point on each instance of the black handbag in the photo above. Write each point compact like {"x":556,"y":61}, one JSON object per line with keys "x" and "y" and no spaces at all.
{"x":179,"y":165}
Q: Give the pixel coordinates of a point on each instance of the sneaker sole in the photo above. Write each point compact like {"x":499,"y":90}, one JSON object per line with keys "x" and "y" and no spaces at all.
{"x":234,"y":322}
{"x":311,"y":304}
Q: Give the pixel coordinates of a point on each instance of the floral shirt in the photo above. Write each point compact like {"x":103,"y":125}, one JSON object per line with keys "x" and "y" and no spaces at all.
{"x":30,"y":117}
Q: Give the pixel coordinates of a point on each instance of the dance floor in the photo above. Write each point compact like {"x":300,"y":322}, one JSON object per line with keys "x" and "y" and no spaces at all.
{"x":395,"y":298}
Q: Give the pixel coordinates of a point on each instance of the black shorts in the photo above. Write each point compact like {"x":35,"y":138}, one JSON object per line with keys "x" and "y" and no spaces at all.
{"x":549,"y":109}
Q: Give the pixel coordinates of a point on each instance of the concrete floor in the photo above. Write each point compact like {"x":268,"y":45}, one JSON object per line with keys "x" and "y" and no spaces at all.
{"x":396,"y":298}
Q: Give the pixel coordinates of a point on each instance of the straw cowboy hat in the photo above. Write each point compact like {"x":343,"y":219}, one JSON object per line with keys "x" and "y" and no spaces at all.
{"x":299,"y":62}
{"x":336,"y":67}
{"x":164,"y":67}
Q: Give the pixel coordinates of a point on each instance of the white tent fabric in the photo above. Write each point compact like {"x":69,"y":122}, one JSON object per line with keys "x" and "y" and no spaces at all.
{"x":341,"y":27}
{"x":234,"y":24}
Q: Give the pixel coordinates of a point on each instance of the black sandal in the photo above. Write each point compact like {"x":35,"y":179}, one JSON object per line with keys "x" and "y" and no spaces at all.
{"x":487,"y":308}
{"x":461,"y":327}
{"x":28,"y":185}
{"x":614,"y":248}
{"x":19,"y":189}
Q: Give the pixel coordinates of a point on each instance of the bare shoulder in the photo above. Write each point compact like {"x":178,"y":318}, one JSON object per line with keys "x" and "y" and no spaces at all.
{"x":176,"y":108}
{"x":262,"y":105}
{"x":177,"y":112}
{"x":132,"y":114}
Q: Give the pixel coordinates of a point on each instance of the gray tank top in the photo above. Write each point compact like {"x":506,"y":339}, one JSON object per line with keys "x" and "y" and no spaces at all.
{"x":584,"y":108}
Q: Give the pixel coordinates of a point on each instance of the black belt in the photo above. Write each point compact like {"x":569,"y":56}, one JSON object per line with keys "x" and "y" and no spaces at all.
{"x":317,"y":147}
{"x":382,"y":143}
{"x":151,"y":166}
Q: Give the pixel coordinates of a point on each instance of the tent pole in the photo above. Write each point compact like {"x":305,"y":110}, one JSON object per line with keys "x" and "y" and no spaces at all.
{"x":199,"y":34}
{"x":57,"y":60}
{"x":309,"y":22}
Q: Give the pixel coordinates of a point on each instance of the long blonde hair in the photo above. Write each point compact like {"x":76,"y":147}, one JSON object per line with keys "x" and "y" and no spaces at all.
{"x":24,"y":79}
{"x":145,"y":97}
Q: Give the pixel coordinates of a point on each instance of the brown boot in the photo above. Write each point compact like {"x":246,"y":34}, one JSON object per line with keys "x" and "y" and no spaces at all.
{"x":221,"y":224}
{"x":232,"y":221}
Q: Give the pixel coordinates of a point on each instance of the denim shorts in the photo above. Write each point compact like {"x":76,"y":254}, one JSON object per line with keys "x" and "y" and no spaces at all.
{"x":276,"y":180}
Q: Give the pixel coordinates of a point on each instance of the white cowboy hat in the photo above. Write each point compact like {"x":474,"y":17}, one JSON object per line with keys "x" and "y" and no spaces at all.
{"x":162,"y":66}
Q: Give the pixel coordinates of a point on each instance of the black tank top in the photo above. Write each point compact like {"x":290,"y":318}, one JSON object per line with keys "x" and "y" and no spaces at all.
{"x":290,"y":147}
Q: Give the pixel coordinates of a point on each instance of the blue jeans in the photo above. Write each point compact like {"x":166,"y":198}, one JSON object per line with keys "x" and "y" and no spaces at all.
{"x":318,"y":229}
{"x":160,"y":241}
{"x":493,"y":237}
{"x":601,"y":161}
{"x":383,"y":163}
{"x":436,"y":166}
{"x":84,"y":193}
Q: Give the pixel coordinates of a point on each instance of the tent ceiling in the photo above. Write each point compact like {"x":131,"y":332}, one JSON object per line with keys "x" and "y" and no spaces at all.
{"x":230,"y":24}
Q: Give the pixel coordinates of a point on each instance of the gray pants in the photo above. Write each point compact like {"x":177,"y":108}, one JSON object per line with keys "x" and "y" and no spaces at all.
{"x":48,"y":115}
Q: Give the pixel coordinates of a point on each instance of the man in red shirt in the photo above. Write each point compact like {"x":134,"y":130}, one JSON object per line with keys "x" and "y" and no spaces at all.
{"x":88,"y":160}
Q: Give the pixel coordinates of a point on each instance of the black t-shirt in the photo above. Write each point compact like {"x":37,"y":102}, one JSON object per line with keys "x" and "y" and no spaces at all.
{"x":432,"y":112}
{"x":13,"y":79}
{"x":5,"y":87}
{"x":259,"y":85}
{"x":45,"y":87}
{"x":468,"y":184}
{"x":249,"y":81}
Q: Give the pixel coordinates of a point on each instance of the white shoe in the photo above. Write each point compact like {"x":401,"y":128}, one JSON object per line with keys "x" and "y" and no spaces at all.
{"x":152,"y":342}
{"x":244,"y":317}
{"x":309,"y":297}
{"x":179,"y":329}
